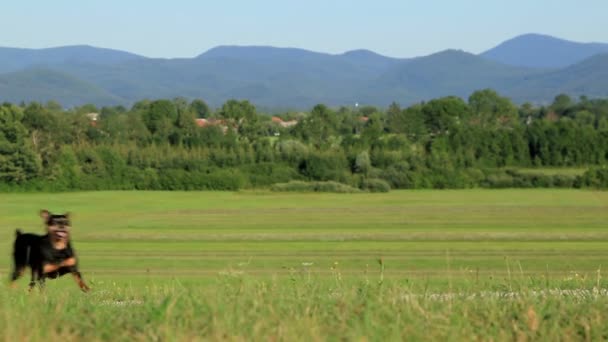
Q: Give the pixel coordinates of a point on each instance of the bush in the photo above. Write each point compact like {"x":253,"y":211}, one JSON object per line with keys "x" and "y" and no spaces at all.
{"x":362,"y":163}
{"x":399,"y":176}
{"x":375,"y":185}
{"x":216,"y":179}
{"x":564,"y":181}
{"x":299,"y":186}
{"x":596,"y":177}
{"x":292,"y":151}
{"x":222,"y":179}
{"x":499,"y":180}
{"x":542,"y":181}
{"x":324,"y":166}
{"x":516,"y":179}
{"x":474,"y":176}
{"x":266,"y":174}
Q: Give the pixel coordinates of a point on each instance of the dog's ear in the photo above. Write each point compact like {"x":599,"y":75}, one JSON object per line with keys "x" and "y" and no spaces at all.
{"x":44,"y":214}
{"x":68,"y":215}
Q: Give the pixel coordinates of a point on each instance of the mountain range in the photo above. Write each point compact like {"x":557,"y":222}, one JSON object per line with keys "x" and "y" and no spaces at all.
{"x":530,"y":67}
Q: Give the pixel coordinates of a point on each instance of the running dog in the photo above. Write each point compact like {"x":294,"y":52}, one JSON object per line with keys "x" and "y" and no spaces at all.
{"x":48,"y":256}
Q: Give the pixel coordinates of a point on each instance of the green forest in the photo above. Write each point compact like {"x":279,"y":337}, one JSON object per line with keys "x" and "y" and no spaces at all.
{"x":483,"y":141}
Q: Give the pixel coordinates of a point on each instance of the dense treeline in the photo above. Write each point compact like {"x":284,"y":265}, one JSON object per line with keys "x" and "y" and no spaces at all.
{"x":443,"y":143}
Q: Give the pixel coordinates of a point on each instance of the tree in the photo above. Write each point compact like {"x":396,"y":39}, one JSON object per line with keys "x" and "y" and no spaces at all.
{"x":160,"y":118}
{"x":373,"y":129}
{"x":561,"y":104}
{"x":54,"y":106}
{"x":18,"y":162}
{"x":413,"y":122}
{"x":442,"y":114}
{"x":40,"y":123}
{"x":527,"y":112}
{"x":185,"y":131}
{"x":492,"y":110}
{"x":319,"y":126}
{"x":200,"y":108}
{"x":362,"y":163}
{"x":240,"y":115}
{"x":87,"y":108}
{"x":585,"y":118}
{"x":367,"y":110}
{"x":396,"y":119}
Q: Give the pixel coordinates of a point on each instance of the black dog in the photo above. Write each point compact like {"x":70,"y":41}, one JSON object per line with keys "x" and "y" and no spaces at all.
{"x":48,"y":256}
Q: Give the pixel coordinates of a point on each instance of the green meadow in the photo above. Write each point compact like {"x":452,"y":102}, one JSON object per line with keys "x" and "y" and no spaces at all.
{"x":404,"y":265}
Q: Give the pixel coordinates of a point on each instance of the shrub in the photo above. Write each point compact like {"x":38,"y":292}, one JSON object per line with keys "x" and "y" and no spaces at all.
{"x":499,"y":180}
{"x":362,"y":163}
{"x":216,"y":179}
{"x":324,"y":166}
{"x":375,"y":185}
{"x":399,"y":176}
{"x":292,"y":151}
{"x":299,"y":186}
{"x":542,"y":181}
{"x":564,"y":181}
{"x":596,"y":177}
{"x":222,"y":179}
{"x":266,"y":174}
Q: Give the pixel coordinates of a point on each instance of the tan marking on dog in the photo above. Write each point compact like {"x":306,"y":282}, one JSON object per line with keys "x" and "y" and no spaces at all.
{"x":60,"y":244}
{"x":48,"y":268}
{"x":68,"y":262}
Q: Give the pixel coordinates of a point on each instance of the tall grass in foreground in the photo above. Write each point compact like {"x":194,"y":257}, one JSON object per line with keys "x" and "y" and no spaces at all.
{"x":304,"y":307}
{"x":459,"y":266}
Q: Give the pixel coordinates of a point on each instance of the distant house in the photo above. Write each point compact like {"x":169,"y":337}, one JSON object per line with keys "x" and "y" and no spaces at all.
{"x":285,"y":124}
{"x":363,"y":119}
{"x":93,"y":117}
{"x":201,"y":122}
{"x":212,"y":122}
{"x":209,"y":122}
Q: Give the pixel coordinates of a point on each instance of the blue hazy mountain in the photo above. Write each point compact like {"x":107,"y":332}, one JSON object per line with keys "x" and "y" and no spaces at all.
{"x":296,"y":78}
{"x":14,"y":59}
{"x":542,"y":51}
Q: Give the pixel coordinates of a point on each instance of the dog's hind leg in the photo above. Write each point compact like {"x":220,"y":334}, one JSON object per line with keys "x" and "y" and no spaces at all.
{"x":17,"y":273}
{"x":37,"y":278}
{"x":33,"y":279}
{"x":21,"y":253}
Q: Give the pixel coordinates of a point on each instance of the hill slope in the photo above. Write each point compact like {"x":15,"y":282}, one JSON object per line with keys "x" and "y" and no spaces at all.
{"x":42,"y":85}
{"x":450,"y":72}
{"x":542,"y":51}
{"x":13,"y":59}
{"x":589,"y":77}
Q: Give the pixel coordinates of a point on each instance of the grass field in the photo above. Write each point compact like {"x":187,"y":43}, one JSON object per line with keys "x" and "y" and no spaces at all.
{"x":415,"y":265}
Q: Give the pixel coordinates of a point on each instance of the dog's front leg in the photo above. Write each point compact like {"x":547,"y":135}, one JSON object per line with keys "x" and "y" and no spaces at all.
{"x":72,"y":266}
{"x":78,"y":277}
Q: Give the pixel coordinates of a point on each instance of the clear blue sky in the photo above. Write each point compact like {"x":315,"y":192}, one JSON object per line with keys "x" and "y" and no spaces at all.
{"x":399,"y":28}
